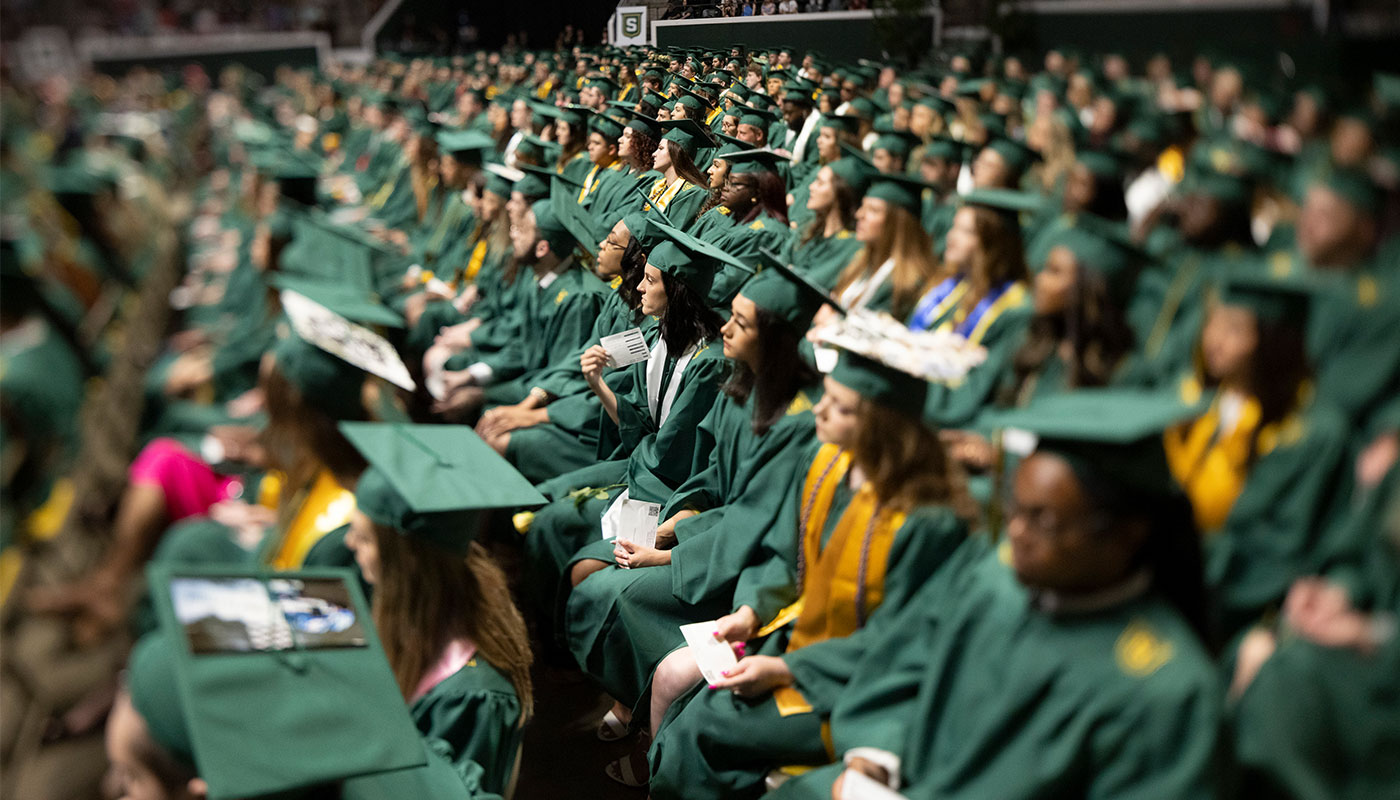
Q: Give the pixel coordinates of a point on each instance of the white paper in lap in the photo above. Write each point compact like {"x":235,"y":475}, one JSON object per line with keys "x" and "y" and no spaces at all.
{"x":713,"y":655}
{"x":628,"y":520}
{"x":859,"y":786}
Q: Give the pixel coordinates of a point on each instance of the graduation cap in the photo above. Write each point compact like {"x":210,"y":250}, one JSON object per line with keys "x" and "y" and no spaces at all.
{"x":326,"y":355}
{"x":1096,"y":249}
{"x":1108,"y":436}
{"x":862,"y":108}
{"x":786,"y":293}
{"x":688,"y":134}
{"x":465,"y":145}
{"x":795,"y":92}
{"x":533,"y":146}
{"x":945,"y":147}
{"x":502,"y":179}
{"x":1272,"y":297}
{"x":605,"y":126}
{"x":265,"y":683}
{"x":433,"y":481}
{"x":754,"y":161}
{"x":1017,"y":155}
{"x":576,"y":220}
{"x":354,"y":304}
{"x":689,"y":259}
{"x":881,"y":383}
{"x":1013,"y":201}
{"x":551,"y":228}
{"x":606,"y":85}
{"x":841,"y":123}
{"x":854,"y":168}
{"x":900,"y":190}
{"x":573,"y":114}
{"x":1101,"y":163}
{"x":760,"y":118}
{"x":898,"y":143}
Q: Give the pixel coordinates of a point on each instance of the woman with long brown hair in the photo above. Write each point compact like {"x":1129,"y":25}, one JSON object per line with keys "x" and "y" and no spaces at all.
{"x":682,"y":187}
{"x":828,"y":243}
{"x":896,"y":260}
{"x":880,"y":509}
{"x":981,"y":295}
{"x":454,"y":639}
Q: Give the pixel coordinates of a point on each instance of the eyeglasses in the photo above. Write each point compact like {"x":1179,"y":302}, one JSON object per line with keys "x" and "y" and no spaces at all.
{"x":730,"y":183}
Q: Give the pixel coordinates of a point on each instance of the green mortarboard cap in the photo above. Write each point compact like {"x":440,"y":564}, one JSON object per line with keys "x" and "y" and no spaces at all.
{"x":754,"y":160}
{"x":432,"y":481}
{"x":533,"y":146}
{"x":1018,"y":156}
{"x":1273,"y":298}
{"x":688,"y":134}
{"x":881,"y":383}
{"x":1355,"y":187}
{"x":946,"y":148}
{"x":1110,"y":257}
{"x":760,"y":118}
{"x":325,"y":381}
{"x":841,"y":123}
{"x":605,"y":85}
{"x":1101,"y":164}
{"x":900,"y":190}
{"x":782,"y":291}
{"x":1111,"y":436}
{"x":862,"y":108}
{"x":794,"y":92}
{"x":249,"y":675}
{"x":691,"y":260}
{"x":855,"y":169}
{"x":549,"y":227}
{"x":1010,"y":201}
{"x":575,"y":220}
{"x":653,"y":99}
{"x":972,"y":87}
{"x":534,"y":183}
{"x":609,"y":129}
{"x":464,"y":144}
{"x":896,"y":142}
{"x":356,"y":305}
{"x":692,"y":101}
{"x":1230,"y":189}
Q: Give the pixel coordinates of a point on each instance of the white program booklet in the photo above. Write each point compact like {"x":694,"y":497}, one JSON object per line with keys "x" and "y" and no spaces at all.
{"x":627,"y":347}
{"x":638,"y":521}
{"x":712,"y":654}
{"x":859,"y":786}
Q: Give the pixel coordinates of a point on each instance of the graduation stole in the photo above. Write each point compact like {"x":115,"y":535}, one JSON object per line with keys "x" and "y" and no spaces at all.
{"x":590,"y":181}
{"x":975,"y":326}
{"x":662,"y":195}
{"x":323,"y":507}
{"x":842,"y":582}
{"x":938,"y":302}
{"x":1213,"y":467}
{"x":451,"y":213}
{"x":477,"y":258}
{"x":710,"y":117}
{"x":1176,"y":292}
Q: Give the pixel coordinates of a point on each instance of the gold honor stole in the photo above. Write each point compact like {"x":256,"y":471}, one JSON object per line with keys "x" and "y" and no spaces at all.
{"x":477,"y":258}
{"x":662,"y":195}
{"x":841,"y":583}
{"x":325,"y":506}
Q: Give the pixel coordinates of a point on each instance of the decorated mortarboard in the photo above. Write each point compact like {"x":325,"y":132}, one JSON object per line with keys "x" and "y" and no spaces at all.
{"x":691,"y":260}
{"x":1109,"y":436}
{"x":353,"y":304}
{"x":1017,"y":155}
{"x":326,"y":355}
{"x":900,"y":190}
{"x":891,"y":365}
{"x":432,"y":482}
{"x":688,"y":134}
{"x":754,"y":160}
{"x":786,"y":293}
{"x":264,"y":683}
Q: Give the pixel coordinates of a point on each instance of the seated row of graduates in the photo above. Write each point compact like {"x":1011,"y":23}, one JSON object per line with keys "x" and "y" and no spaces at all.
{"x":742,"y":445}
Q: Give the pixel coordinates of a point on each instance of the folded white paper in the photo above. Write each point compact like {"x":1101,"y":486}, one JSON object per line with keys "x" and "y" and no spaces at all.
{"x":625,"y":348}
{"x":713,"y":655}
{"x":859,"y":786}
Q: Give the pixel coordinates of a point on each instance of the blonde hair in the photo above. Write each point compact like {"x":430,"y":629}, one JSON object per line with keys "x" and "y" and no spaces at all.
{"x":905,"y":240}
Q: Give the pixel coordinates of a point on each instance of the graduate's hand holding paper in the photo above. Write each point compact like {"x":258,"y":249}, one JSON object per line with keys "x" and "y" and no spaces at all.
{"x":755,"y":676}
{"x":593,"y":361}
{"x":625,"y":348}
{"x":632,"y":555}
{"x":738,"y":627}
{"x":713,"y":655}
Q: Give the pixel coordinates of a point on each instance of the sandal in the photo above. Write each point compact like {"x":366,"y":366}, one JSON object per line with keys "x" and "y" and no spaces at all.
{"x":630,"y":770}
{"x":612,"y":728}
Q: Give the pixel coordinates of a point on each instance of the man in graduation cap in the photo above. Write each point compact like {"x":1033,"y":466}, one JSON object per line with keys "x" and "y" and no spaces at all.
{"x":556,"y":318}
{"x":801,"y":118}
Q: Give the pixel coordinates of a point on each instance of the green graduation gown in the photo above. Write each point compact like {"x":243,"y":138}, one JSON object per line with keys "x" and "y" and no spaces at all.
{"x":823,"y":258}
{"x":619,"y":622}
{"x":472,"y":717}
{"x":980,"y":691}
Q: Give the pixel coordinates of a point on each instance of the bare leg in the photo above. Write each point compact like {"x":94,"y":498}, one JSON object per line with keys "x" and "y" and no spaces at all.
{"x":674,"y":676}
{"x":585,"y":568}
